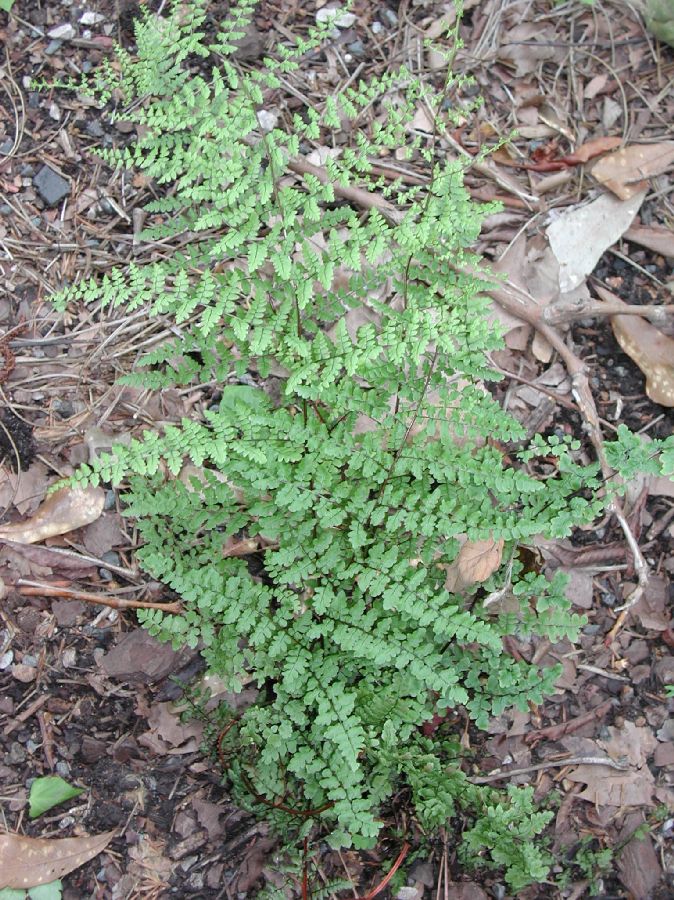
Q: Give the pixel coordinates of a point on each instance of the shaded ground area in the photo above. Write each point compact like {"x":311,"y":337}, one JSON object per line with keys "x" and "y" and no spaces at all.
{"x":86,"y":695}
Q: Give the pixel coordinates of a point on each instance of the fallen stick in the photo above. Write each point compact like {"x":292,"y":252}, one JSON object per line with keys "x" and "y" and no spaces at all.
{"x":36,"y":589}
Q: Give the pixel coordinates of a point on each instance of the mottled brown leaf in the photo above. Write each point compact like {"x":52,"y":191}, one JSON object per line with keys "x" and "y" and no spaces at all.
{"x":625,"y":171}
{"x":27,"y":862}
{"x":652,"y":351}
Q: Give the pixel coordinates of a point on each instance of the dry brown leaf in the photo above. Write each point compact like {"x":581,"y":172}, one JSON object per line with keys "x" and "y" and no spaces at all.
{"x":477,"y":560}
{"x":27,"y":862}
{"x":527,"y":45}
{"x":625,"y":171}
{"x":630,"y":745}
{"x":595,"y":86}
{"x":594,"y":147}
{"x":652,"y":351}
{"x":63,"y":511}
{"x":638,"y":864}
{"x":654,"y":237}
{"x":652,"y":610}
{"x":634,"y":743}
{"x":167,"y":734}
{"x":608,"y":787}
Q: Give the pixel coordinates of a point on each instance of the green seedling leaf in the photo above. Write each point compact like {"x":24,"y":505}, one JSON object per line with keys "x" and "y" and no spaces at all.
{"x":50,"y":791}
{"x":51,"y":891}
{"x":236,"y":394}
{"x":6,"y":5}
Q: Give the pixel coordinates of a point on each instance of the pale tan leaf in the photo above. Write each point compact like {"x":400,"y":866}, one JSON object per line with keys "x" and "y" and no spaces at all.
{"x":477,"y":560}
{"x":580,"y":235}
{"x":63,"y":511}
{"x":27,"y":862}
{"x":625,"y":171}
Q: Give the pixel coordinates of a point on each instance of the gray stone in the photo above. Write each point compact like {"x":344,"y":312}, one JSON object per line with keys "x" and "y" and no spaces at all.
{"x":94,"y":129}
{"x":52,"y":47}
{"x":6,"y":147}
{"x":112,"y":558}
{"x":51,"y":186}
{"x":62,"y":32}
{"x":91,"y":18}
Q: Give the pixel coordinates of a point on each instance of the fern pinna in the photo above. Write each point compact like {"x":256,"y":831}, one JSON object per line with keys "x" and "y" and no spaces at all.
{"x":360,"y":483}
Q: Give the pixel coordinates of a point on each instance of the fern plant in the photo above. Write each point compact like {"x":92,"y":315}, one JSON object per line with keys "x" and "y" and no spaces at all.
{"x":383,"y":455}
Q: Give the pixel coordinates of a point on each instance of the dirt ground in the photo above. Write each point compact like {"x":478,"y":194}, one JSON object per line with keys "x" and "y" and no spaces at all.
{"x":86,"y":695}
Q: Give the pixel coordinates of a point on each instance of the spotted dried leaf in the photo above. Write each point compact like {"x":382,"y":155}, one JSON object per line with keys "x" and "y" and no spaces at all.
{"x":652,"y":351}
{"x":26,"y":862}
{"x":625,"y":171}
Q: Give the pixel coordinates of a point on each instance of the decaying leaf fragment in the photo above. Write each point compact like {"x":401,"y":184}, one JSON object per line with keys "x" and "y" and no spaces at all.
{"x":63,"y":511}
{"x":26,"y":862}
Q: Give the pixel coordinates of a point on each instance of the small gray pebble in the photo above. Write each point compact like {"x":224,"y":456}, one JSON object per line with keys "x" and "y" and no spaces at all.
{"x":389,"y":17}
{"x":110,"y":501}
{"x":112,"y":558}
{"x":62,"y":768}
{"x":357,"y":48}
{"x":51,"y":186}
{"x":106,"y":574}
{"x":94,"y":129}
{"x":52,"y":47}
{"x":5,"y":210}
{"x":29,"y":660}
{"x":6,"y":147}
{"x":17,"y":754}
{"x":63,"y":408}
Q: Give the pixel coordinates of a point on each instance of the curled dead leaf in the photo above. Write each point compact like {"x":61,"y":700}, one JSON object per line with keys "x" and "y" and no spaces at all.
{"x":27,"y":862}
{"x":63,"y":511}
